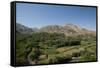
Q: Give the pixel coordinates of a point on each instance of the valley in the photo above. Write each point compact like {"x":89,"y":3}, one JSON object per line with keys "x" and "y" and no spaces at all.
{"x":54,"y":44}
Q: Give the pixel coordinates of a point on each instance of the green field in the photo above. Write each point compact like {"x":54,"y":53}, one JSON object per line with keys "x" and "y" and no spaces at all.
{"x":52,"y":48}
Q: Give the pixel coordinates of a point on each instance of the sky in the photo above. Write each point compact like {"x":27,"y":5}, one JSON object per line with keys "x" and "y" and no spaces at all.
{"x":40,"y":15}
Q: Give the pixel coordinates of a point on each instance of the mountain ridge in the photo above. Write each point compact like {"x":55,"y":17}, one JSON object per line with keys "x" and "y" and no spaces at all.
{"x":68,"y":29}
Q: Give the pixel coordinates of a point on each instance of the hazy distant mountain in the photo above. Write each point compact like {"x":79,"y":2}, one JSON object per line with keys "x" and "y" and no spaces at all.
{"x":23,"y":29}
{"x":68,"y":30}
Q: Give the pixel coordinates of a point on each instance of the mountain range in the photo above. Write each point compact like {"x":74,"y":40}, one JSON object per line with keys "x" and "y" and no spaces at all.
{"x":68,"y":30}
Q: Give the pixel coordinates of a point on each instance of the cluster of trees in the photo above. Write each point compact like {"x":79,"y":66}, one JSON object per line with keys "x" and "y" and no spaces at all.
{"x":54,"y":39}
{"x":38,"y":41}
